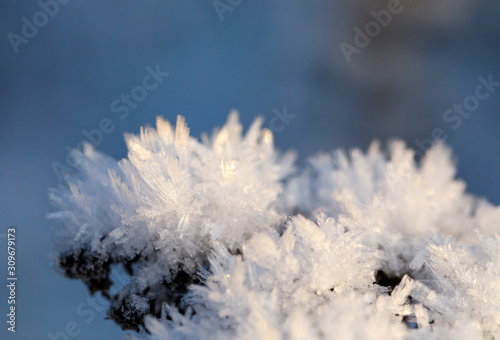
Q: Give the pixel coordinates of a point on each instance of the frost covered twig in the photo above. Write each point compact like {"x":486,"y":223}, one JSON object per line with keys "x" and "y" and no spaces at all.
{"x":223,"y":240}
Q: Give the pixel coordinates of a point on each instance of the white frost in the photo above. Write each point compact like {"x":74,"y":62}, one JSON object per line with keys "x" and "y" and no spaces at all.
{"x":226,"y":209}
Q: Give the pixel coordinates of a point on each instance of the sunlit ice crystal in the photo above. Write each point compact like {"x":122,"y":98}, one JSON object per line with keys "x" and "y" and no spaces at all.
{"x":222,"y":238}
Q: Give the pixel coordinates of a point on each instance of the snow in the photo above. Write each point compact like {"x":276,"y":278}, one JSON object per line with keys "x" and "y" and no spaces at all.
{"x":224,"y":238}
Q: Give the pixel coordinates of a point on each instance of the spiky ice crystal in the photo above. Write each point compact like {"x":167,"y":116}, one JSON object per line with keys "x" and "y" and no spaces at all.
{"x":224,"y":239}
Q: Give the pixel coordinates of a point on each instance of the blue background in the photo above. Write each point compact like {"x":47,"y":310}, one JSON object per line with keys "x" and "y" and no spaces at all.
{"x":262,"y":56}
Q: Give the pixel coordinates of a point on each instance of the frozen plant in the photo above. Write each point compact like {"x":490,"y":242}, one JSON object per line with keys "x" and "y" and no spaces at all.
{"x":223,"y":239}
{"x":161,"y":212}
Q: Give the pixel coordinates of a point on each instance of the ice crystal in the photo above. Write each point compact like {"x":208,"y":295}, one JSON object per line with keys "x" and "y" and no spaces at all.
{"x":223,"y":239}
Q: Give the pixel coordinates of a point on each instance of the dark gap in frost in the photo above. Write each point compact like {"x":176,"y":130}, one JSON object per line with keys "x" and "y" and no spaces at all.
{"x":123,"y":308}
{"x":94,"y":270}
{"x":387,"y":280}
{"x":410,"y":321}
{"x":90,"y":267}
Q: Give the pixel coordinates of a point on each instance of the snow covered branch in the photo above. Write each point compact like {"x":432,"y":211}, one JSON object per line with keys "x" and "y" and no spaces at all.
{"x":224,"y":239}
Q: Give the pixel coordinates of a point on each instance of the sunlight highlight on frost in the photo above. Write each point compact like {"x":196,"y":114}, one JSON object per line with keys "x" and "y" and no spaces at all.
{"x":223,"y":239}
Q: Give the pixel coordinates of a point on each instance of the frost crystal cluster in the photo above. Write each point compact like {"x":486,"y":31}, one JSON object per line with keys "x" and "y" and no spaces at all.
{"x":224,"y":239}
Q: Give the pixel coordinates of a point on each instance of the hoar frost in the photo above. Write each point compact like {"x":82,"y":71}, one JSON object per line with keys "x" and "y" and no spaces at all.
{"x":224,"y":238}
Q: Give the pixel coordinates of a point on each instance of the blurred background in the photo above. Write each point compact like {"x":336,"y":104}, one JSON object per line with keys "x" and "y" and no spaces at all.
{"x":324,"y":74}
